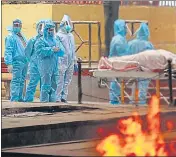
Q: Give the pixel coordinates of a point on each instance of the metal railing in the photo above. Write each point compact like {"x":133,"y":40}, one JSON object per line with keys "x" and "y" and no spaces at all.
{"x":167,"y":3}
{"x":89,"y":41}
{"x":132,"y":24}
{"x":170,"y":3}
{"x":149,"y":3}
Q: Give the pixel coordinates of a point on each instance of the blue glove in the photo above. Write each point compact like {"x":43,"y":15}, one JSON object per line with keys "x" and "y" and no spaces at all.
{"x":75,"y":68}
{"x":60,"y":53}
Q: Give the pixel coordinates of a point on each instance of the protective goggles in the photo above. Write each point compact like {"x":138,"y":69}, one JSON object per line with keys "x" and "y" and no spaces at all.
{"x":17,"y":24}
{"x":51,"y":30}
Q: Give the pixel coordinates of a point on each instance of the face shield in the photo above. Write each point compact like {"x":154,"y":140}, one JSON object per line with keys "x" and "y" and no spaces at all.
{"x":41,"y":28}
{"x":66,"y":24}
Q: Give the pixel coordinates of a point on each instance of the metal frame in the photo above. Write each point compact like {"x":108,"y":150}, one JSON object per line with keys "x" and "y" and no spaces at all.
{"x":133,"y":22}
{"x":133,"y":74}
{"x":89,"y":41}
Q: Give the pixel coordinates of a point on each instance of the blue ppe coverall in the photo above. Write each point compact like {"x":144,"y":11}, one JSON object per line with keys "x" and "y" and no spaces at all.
{"x":34,"y":75}
{"x":48,"y":63}
{"x":138,"y":45}
{"x":15,"y":44}
{"x":118,"y":47}
{"x":66,"y":64}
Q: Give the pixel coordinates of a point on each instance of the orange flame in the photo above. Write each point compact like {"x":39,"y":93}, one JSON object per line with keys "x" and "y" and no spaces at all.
{"x":134,"y":141}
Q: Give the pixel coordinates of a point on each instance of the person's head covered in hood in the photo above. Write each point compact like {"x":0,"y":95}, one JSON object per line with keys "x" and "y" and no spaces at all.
{"x":40,"y":27}
{"x":143,"y":32}
{"x":17,"y":25}
{"x":118,"y":47}
{"x":138,"y":45}
{"x":66,"y":25}
{"x":49,"y":30}
{"x":120,"y":28}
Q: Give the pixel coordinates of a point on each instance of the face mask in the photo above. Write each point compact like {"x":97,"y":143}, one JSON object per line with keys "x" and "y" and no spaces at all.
{"x":51,"y":34}
{"x":68,"y":28}
{"x":16,"y":29}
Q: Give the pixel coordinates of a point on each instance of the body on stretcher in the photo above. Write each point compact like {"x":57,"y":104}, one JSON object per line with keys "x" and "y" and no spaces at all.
{"x":149,"y":64}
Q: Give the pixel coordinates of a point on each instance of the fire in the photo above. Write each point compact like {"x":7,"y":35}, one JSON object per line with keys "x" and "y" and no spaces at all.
{"x":132,"y":140}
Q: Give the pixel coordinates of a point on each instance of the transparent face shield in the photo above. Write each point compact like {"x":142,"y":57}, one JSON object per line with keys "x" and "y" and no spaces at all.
{"x":66,"y":23}
{"x":41,"y":28}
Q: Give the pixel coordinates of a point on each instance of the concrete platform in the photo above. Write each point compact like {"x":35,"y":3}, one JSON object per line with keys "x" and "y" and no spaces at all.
{"x":25,"y":124}
{"x":72,"y":148}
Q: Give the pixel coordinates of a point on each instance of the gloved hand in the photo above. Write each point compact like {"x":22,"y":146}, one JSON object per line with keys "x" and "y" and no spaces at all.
{"x":60,"y":53}
{"x":55,"y":49}
{"x":75,"y":68}
{"x":10,"y":68}
{"x":75,"y":64}
{"x":75,"y":60}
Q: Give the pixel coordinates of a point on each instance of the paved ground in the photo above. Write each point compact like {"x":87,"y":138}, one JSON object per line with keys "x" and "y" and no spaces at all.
{"x":82,"y":148}
{"x":82,"y":112}
{"x":79,"y":112}
{"x":72,"y":148}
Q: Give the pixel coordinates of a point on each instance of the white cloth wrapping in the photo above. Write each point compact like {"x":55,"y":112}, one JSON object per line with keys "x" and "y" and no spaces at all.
{"x":149,"y":60}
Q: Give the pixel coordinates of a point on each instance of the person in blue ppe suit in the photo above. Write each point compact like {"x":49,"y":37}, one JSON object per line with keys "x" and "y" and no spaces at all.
{"x":15,"y":59}
{"x":34,"y":76}
{"x":118,"y":47}
{"x":67,"y":63}
{"x":138,"y":45}
{"x":48,"y":49}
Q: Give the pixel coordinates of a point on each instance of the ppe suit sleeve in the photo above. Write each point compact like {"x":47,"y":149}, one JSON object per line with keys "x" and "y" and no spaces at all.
{"x":151,"y":47}
{"x":136,"y":46}
{"x":74,"y":47}
{"x":118,"y":47}
{"x":132,"y":48}
{"x":60,"y":45}
{"x":42,"y":49}
{"x":9,"y":48}
{"x":29,"y":48}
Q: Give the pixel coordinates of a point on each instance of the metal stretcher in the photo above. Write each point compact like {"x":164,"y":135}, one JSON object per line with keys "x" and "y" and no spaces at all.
{"x":126,"y":75}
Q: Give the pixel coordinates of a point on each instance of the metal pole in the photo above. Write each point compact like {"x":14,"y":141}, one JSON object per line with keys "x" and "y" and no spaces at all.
{"x":132,"y":28}
{"x":158,"y":89}
{"x":79,"y":82}
{"x":99,"y":40}
{"x":170,"y":80}
{"x":40,"y":84}
{"x":56,"y":27}
{"x":90,"y":44}
{"x":122,"y":91}
{"x":136,"y":93}
{"x":111,"y":13}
